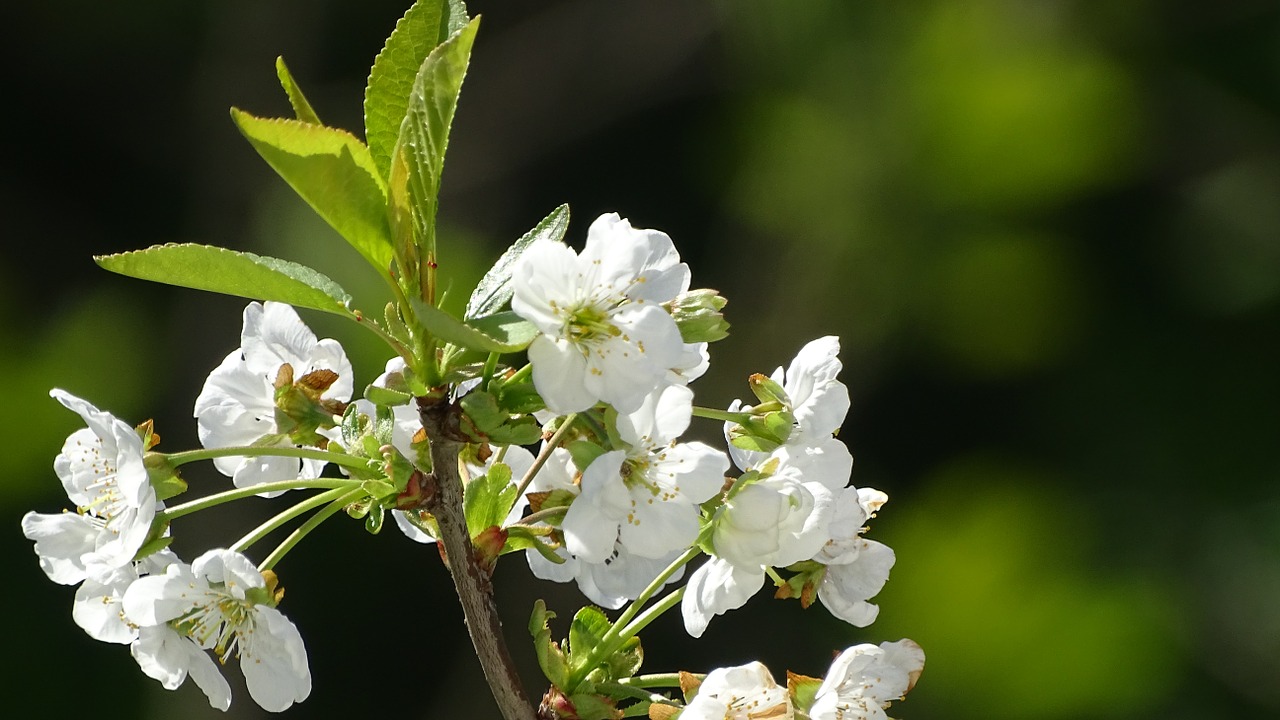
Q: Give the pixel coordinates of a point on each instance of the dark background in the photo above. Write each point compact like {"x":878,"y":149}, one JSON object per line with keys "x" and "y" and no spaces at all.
{"x":1048,"y":235}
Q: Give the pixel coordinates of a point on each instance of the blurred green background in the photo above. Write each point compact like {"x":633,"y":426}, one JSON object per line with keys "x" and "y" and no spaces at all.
{"x":1048,"y":235}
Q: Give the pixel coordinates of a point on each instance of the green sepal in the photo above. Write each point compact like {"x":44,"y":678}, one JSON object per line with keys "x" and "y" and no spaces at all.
{"x":297,"y":100}
{"x":803,"y":691}
{"x":386,"y":97}
{"x":163,"y":476}
{"x":152,"y":546}
{"x":584,"y":452}
{"x":768,"y":390}
{"x":373,"y":521}
{"x":494,"y":289}
{"x":698,"y":316}
{"x":332,"y":170}
{"x":379,"y":489}
{"x":246,"y":275}
{"x":550,"y":657}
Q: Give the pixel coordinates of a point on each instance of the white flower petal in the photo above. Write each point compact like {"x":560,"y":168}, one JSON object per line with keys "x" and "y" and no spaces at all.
{"x":715,"y":588}
{"x":98,"y":610}
{"x":274,"y":661}
{"x":61,"y":542}
{"x":560,"y":375}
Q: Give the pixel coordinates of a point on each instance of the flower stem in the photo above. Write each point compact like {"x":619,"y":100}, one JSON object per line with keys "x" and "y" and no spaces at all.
{"x":187,"y":456}
{"x":654,"y":680}
{"x":714,"y":414}
{"x":216,"y":499}
{"x":648,"y":616}
{"x":313,"y":522}
{"x":621,"y":630}
{"x":541,"y":515}
{"x":541,"y":460}
{"x":267,"y":527}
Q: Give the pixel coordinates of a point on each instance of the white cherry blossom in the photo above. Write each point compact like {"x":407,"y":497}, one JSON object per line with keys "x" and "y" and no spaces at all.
{"x":99,"y":608}
{"x":857,"y":568}
{"x":865,"y":679}
{"x":646,"y":496}
{"x":772,"y":522}
{"x":745,"y":692}
{"x":603,"y":333}
{"x":237,"y":406}
{"x":619,"y":578}
{"x":101,"y":468}
{"x":218,"y":603}
{"x":819,"y":403}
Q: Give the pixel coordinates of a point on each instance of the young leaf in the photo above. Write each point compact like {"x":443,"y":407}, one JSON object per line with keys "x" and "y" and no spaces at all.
{"x":301,"y":107}
{"x":482,"y":499}
{"x":418,"y":159}
{"x":585,"y":632}
{"x":550,"y":658}
{"x":332,"y":171}
{"x":508,"y":337}
{"x":494,"y":289}
{"x":386,"y":98}
{"x":242,"y":274}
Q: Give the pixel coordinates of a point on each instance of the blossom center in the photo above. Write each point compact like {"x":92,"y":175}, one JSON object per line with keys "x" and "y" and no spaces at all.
{"x":219,"y":623}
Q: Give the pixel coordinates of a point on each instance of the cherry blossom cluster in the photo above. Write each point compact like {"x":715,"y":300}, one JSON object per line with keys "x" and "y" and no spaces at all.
{"x":613,"y":498}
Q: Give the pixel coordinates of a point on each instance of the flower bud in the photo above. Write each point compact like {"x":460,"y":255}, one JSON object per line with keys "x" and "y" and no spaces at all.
{"x":697,"y":314}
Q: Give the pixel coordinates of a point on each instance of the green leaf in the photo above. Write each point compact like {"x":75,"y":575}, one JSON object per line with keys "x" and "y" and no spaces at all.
{"x":494,"y":289}
{"x":333,"y":172}
{"x":593,"y":707}
{"x":386,"y":98}
{"x":585,"y":632}
{"x":510,"y":335}
{"x":584,"y":452}
{"x":482,"y":499}
{"x":550,"y":658}
{"x":509,"y":329}
{"x":301,"y":107}
{"x":627,"y":660}
{"x":242,"y":274}
{"x":417,"y":162}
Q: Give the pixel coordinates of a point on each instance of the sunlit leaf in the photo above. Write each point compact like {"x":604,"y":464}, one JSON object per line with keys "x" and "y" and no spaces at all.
{"x":332,"y":171}
{"x":242,"y":274}
{"x":301,"y":107}
{"x":494,"y":289}
{"x":386,"y":98}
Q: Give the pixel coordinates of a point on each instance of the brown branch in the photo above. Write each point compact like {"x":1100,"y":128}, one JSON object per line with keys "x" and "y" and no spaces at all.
{"x":471,"y":579}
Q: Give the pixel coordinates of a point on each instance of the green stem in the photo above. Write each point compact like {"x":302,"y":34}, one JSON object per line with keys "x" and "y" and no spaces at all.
{"x":267,"y":527}
{"x":215,"y":499}
{"x":618,"y":633}
{"x":650,"y":615}
{"x":541,"y":460}
{"x":187,"y":456}
{"x":490,"y":367}
{"x":713,"y":414}
{"x":773,"y":575}
{"x":305,"y":528}
{"x":541,"y":515}
{"x":519,"y":375}
{"x":654,"y":680}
